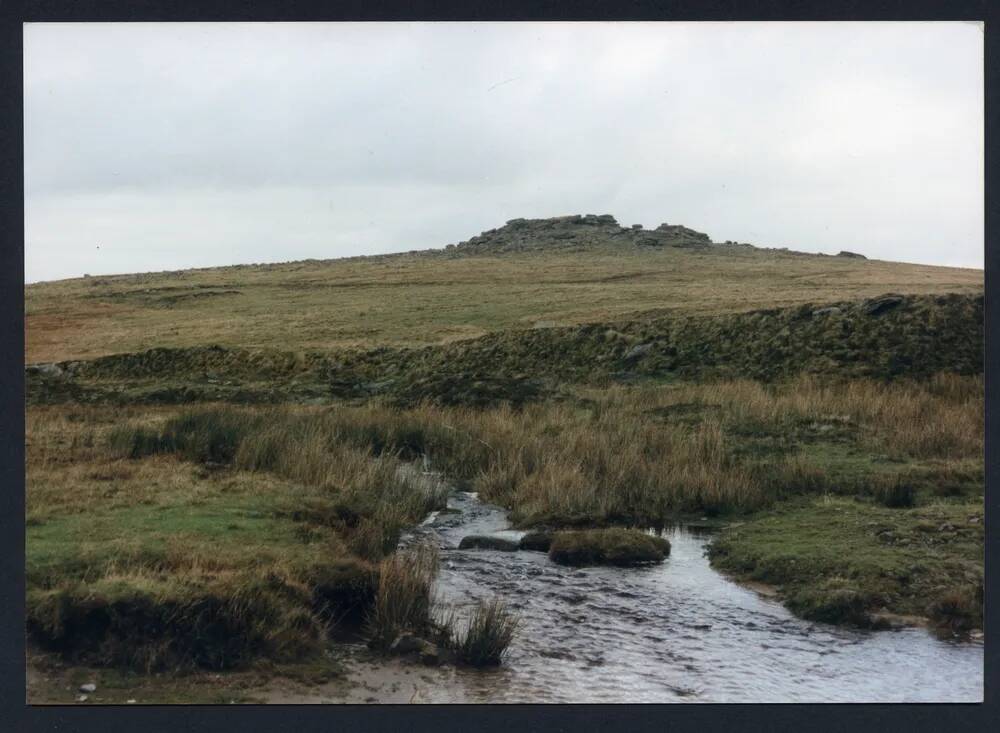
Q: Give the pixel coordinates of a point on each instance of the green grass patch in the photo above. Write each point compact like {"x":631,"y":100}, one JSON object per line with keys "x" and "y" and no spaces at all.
{"x":614,"y":546}
{"x":841,"y":560}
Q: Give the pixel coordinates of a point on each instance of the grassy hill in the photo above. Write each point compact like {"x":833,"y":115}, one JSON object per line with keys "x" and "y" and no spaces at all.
{"x":230,"y":449}
{"x":495,"y":282}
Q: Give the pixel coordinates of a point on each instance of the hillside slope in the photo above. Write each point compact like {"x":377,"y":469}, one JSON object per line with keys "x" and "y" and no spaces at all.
{"x":527,"y":274}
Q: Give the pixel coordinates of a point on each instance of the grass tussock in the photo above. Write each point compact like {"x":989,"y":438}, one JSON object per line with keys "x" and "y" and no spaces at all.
{"x":405,"y":596}
{"x":959,"y":609}
{"x":894,"y":492}
{"x":136,"y":621}
{"x":487,"y":635}
{"x":614,"y":546}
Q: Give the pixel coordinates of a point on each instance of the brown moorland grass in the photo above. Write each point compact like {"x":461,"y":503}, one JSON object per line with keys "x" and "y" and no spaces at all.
{"x":435,"y":298}
{"x":258,"y":527}
{"x":405,"y":596}
{"x":172,"y":560}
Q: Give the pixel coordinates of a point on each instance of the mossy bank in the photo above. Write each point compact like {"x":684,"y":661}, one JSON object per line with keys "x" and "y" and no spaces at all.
{"x":844,"y":560}
{"x":886,"y":337}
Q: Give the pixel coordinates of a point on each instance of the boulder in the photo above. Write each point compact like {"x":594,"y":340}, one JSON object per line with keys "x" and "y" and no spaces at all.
{"x":878,"y":306}
{"x":855,"y":255}
{"x":46,"y":370}
{"x":536,"y":541}
{"x":487,"y":542}
{"x":831,"y":311}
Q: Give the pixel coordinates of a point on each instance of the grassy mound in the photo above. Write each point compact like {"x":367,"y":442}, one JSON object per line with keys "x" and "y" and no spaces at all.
{"x":149,"y":623}
{"x":206,"y":538}
{"x":613,"y":546}
{"x":842,"y":560}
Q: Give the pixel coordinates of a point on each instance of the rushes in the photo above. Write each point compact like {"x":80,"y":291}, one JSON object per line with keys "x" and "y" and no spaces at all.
{"x":404,"y":603}
{"x":487,"y":635}
{"x":405,"y":595}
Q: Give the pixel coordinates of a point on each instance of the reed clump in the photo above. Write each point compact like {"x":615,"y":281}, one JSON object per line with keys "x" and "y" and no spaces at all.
{"x":405,"y":596}
{"x":487,"y":635}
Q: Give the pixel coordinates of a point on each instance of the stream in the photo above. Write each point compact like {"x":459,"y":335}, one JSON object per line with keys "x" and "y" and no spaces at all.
{"x":674,"y":632}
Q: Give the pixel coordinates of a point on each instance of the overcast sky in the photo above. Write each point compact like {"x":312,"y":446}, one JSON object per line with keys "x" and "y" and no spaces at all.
{"x":166,"y":146}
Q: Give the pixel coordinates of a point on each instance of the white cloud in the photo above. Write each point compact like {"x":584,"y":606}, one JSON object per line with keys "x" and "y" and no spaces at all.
{"x":191,"y":144}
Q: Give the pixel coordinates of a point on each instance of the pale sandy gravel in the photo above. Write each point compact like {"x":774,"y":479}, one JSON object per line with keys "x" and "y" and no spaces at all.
{"x":390,"y":681}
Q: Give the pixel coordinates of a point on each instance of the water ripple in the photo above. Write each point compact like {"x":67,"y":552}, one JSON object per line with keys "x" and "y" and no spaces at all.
{"x":676,"y":632}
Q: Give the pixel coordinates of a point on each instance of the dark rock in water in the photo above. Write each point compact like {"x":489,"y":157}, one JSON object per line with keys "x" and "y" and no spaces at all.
{"x":855,"y":255}
{"x":487,"y":542}
{"x":536,"y":541}
{"x":877,"y":306}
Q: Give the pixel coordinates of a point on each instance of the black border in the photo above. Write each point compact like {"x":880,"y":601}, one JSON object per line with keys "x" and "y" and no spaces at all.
{"x":16,"y":715}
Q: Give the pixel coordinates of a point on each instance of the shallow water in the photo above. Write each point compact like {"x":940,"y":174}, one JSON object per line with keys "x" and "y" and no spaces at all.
{"x":675,"y":632}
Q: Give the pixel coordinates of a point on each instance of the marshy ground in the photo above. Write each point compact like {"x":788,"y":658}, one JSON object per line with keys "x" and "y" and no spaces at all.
{"x":232,"y":505}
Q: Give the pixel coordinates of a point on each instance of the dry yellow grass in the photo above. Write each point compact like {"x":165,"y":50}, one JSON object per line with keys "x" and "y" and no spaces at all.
{"x":414,"y":300}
